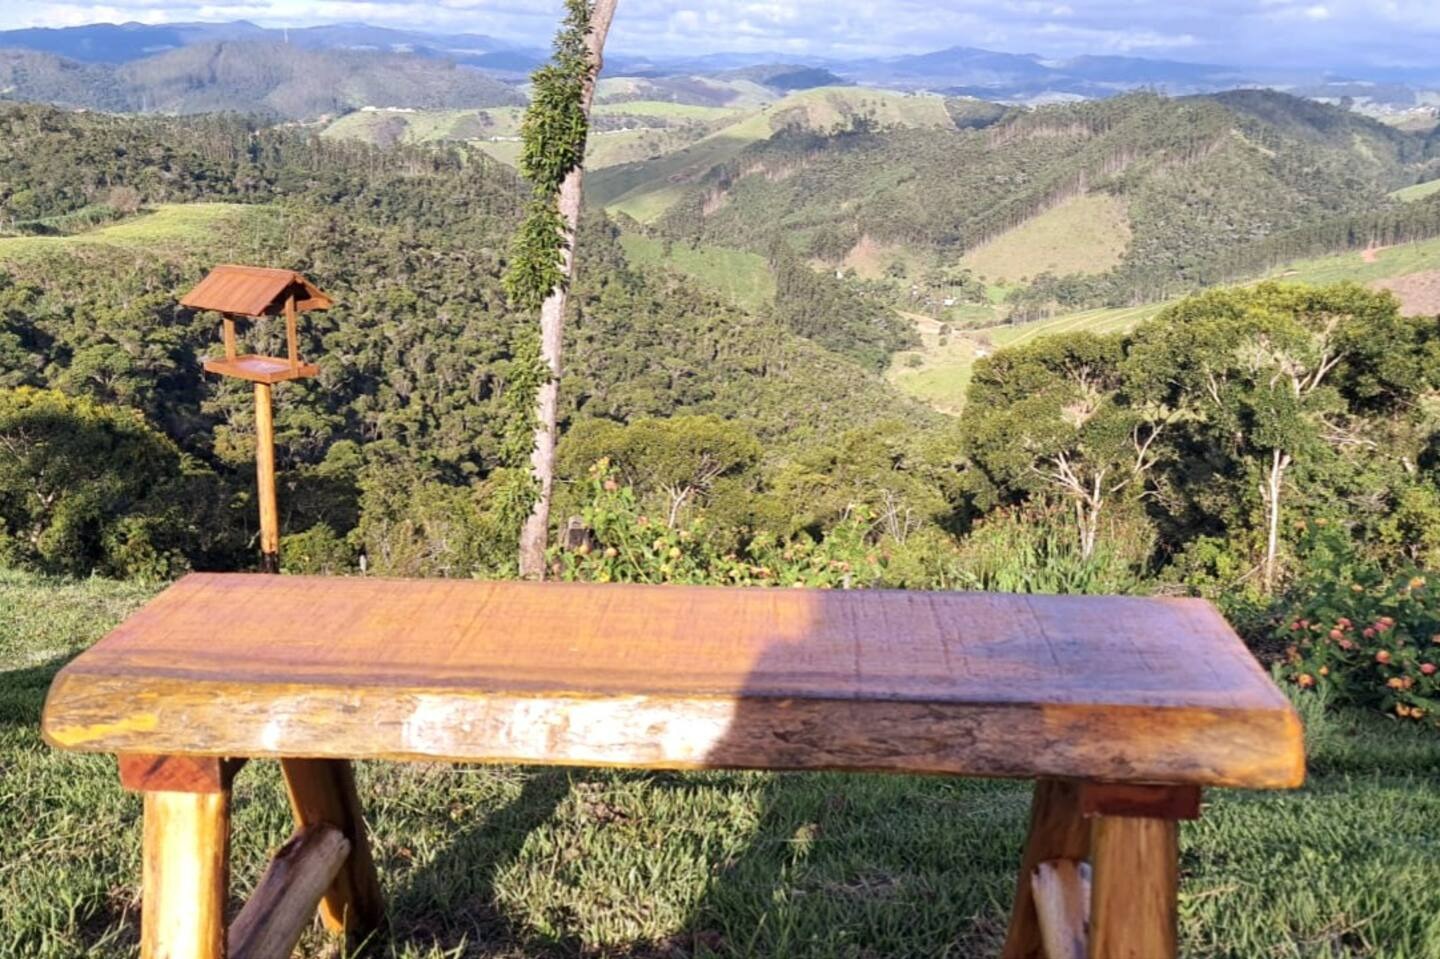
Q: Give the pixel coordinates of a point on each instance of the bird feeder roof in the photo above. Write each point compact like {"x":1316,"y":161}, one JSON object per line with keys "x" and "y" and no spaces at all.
{"x":254,"y":291}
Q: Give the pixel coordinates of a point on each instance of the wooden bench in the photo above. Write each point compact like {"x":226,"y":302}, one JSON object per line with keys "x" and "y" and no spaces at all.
{"x":1121,"y":709}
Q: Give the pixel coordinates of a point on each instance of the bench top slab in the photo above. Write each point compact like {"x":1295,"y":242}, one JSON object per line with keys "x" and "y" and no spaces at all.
{"x":1122,"y":688}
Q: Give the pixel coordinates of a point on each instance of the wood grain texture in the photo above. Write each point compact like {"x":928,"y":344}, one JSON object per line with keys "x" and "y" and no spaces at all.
{"x":1136,"y":799}
{"x":186,"y":875}
{"x":1057,"y":832}
{"x":1119,"y":689}
{"x":284,"y":901}
{"x":1062,"y":905}
{"x":322,"y":792}
{"x":183,"y":774}
{"x":1135,"y":880}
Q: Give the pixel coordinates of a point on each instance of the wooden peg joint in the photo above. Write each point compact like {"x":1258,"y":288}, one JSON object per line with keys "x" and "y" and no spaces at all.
{"x":178,"y":774}
{"x":1139,"y":801}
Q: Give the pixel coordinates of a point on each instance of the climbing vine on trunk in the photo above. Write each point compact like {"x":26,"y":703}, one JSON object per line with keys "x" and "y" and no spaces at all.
{"x":553,"y":135}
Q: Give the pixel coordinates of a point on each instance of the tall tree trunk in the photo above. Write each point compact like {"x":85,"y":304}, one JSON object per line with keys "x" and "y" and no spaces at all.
{"x":535,"y":533}
{"x":1274,"y":482}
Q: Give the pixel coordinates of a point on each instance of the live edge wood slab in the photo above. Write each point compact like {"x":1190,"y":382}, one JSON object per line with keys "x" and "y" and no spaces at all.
{"x":1134,"y":701}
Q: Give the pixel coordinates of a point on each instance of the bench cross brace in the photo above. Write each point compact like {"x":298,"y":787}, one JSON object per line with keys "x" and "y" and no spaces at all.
{"x":186,"y":862}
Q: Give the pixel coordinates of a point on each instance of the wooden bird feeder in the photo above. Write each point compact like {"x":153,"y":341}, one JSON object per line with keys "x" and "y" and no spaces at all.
{"x":246,"y":293}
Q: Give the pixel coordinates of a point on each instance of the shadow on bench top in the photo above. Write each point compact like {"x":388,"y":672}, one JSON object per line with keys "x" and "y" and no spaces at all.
{"x":1112,"y":688}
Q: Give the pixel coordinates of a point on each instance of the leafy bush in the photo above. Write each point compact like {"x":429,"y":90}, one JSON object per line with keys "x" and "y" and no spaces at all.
{"x":1035,"y":550}
{"x":317,"y":551}
{"x":630,"y":547}
{"x":88,"y":487}
{"x":1361,"y":636}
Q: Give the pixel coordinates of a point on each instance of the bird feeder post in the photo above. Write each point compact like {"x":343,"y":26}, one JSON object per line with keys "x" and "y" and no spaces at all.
{"x":265,"y":480}
{"x":247,"y":292}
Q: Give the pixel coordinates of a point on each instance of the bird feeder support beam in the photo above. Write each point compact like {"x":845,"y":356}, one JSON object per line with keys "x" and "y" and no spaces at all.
{"x":265,"y":480}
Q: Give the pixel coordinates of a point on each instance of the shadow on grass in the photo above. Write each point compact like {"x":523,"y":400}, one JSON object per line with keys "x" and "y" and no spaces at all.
{"x":449,"y":904}
{"x":22,"y":692}
{"x":837,"y":865}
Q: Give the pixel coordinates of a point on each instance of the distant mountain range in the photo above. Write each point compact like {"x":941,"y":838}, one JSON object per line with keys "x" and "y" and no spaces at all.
{"x":85,"y":52}
{"x":249,"y":76}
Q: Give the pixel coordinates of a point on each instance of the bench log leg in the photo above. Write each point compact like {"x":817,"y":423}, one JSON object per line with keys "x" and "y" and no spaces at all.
{"x":186,"y":875}
{"x":323,"y":791}
{"x":1135,"y":885}
{"x":1057,"y":831}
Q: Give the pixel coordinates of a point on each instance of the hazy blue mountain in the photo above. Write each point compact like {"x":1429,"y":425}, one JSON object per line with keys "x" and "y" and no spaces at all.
{"x":123,"y":42}
{"x":263,"y":77}
{"x":988,"y":74}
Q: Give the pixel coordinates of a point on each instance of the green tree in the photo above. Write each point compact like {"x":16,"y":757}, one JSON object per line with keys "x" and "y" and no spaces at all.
{"x":680,"y":459}
{"x":1277,"y":376}
{"x":1054,"y":418}
{"x":86,"y":487}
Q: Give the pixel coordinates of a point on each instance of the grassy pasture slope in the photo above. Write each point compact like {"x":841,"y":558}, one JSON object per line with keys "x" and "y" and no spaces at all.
{"x":1417,"y":192}
{"x":511,"y":863}
{"x":1086,"y":234}
{"x":177,"y":228}
{"x":739,"y":277}
{"x":665,"y":110}
{"x":1383,"y":264}
{"x":945,"y":371}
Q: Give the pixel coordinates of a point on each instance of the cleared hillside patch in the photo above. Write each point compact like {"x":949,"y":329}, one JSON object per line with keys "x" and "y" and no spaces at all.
{"x":172,"y":228}
{"x":1419,"y":293}
{"x":741,"y":278}
{"x":1087,"y":234}
{"x":1364,"y":266}
{"x":665,"y":110}
{"x":943,"y":370}
{"x":1417,"y":192}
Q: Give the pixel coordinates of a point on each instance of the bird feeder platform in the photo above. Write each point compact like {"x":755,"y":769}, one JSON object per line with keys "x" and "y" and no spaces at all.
{"x":261,"y":369}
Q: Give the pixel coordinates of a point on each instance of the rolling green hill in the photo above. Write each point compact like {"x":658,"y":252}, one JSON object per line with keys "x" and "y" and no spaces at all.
{"x":626,"y":132}
{"x":739,"y":93}
{"x":646,"y":190}
{"x":1201,"y":182}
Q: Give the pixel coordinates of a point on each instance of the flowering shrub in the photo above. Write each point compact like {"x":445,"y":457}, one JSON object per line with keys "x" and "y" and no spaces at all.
{"x":630,"y":547}
{"x":1366,"y":637}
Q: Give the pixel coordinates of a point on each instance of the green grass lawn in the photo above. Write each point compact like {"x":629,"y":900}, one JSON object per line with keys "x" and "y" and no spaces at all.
{"x":741,"y":278}
{"x":517,"y":862}
{"x":179,"y":228}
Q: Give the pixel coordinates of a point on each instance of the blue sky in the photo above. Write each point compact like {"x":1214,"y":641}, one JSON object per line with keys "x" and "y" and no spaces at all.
{"x":1340,"y":33}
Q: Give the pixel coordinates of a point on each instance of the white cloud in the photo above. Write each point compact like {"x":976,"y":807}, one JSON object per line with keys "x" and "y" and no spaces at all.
{"x":1336,"y":33}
